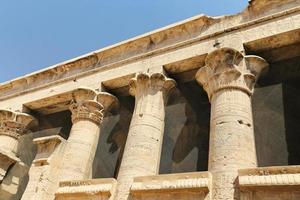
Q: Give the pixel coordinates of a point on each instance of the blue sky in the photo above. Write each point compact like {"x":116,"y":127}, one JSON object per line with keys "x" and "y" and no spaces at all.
{"x":35,"y":34}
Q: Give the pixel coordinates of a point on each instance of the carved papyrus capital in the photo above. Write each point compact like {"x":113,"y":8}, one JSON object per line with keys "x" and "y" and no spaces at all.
{"x":87,"y":110}
{"x":145,"y":83}
{"x":108,"y":101}
{"x":227,"y":68}
{"x":89,"y":105}
{"x":15,"y":124}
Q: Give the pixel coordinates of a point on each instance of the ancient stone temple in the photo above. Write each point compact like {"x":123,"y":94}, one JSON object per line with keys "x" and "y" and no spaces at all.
{"x":207,"y":108}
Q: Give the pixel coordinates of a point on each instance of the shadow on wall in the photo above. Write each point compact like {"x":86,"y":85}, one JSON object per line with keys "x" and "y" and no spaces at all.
{"x":291,"y":99}
{"x":276,"y":113}
{"x":114,"y":130}
{"x":185,"y":146}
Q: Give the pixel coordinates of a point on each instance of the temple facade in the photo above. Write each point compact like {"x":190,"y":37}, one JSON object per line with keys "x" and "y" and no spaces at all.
{"x":207,"y":109}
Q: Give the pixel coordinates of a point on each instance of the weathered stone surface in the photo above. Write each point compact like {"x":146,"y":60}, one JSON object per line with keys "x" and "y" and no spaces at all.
{"x":43,"y":173}
{"x":146,"y":130}
{"x":225,"y":54}
{"x":75,"y":158}
{"x":270,"y":183}
{"x":12,"y":170}
{"x":173,"y":186}
{"x":229,"y":79}
{"x":88,"y":189}
{"x":87,"y":114}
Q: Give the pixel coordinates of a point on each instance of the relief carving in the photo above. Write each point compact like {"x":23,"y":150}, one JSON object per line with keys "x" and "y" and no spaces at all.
{"x":229,"y":78}
{"x":227,"y":68}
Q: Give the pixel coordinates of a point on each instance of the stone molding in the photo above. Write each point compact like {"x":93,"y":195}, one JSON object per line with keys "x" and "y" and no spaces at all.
{"x":227,"y":68}
{"x":15,"y":124}
{"x":172,"y":182}
{"x":281,"y":176}
{"x":87,"y":104}
{"x":155,"y":82}
{"x":91,"y":187}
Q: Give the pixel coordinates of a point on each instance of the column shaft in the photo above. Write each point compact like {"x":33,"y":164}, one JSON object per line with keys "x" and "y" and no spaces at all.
{"x":231,"y":141}
{"x":143,"y":146}
{"x":144,"y":141}
{"x":80,"y":151}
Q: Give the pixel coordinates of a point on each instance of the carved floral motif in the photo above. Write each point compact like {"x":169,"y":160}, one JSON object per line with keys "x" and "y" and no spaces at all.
{"x":227,"y":68}
{"x":154,"y":82}
{"x":14,"y":124}
{"x":88,"y":104}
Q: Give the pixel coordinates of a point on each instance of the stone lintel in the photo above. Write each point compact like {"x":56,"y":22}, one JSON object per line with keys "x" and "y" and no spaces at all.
{"x":185,"y":65}
{"x":270,"y":177}
{"x":61,"y":102}
{"x":195,"y":181}
{"x":86,"y":188}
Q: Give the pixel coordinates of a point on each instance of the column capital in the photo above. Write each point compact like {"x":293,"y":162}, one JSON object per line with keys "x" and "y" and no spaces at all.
{"x":227,"y":68}
{"x":155,"y":82}
{"x":15,"y":124}
{"x":107,"y":100}
{"x":87,"y":104}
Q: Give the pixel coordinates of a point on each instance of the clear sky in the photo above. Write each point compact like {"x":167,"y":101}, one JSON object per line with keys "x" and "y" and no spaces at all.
{"x":35,"y":34}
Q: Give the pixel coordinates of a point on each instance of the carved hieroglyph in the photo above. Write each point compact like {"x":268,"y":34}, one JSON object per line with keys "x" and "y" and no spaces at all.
{"x":87,"y":110}
{"x":229,"y":79}
{"x":144,"y":141}
{"x":12,"y":126}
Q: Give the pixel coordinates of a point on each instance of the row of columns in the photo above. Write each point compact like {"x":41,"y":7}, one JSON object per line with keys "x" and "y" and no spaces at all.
{"x":228,"y":78}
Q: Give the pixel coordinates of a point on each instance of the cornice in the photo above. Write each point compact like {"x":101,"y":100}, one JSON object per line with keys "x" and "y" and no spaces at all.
{"x":174,"y":36}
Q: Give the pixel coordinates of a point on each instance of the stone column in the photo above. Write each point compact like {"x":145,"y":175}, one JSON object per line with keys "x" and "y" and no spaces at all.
{"x":87,"y":113}
{"x":12,"y":126}
{"x":43,"y":173}
{"x":229,"y":79}
{"x":144,"y":141}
